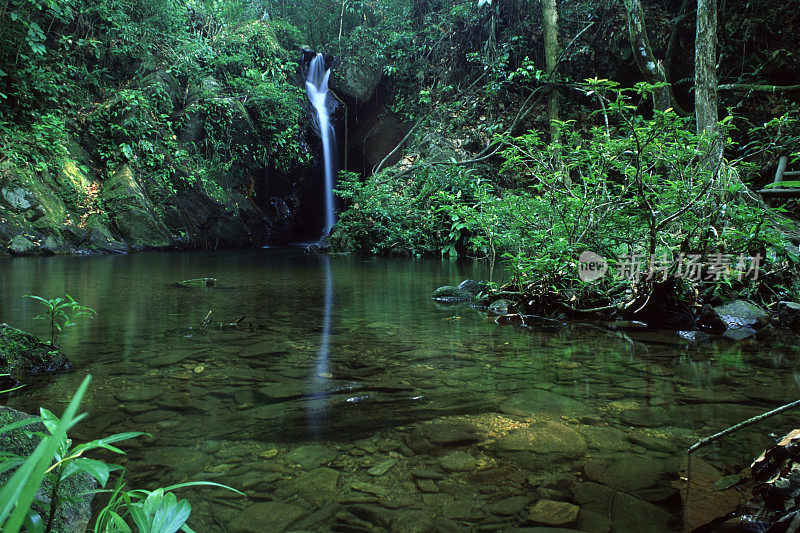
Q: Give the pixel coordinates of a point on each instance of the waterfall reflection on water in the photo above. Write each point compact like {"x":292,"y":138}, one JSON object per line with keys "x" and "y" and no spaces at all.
{"x":317,"y":403}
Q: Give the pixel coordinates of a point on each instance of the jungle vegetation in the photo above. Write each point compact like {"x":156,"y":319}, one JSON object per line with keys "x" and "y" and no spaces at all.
{"x":536,"y":130}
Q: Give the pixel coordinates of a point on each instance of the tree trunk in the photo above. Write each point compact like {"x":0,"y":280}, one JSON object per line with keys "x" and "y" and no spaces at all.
{"x":705,"y":78}
{"x":551,"y":53}
{"x":650,"y":67}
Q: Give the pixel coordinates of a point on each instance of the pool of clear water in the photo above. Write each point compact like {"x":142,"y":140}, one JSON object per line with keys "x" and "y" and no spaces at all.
{"x":345,"y":399}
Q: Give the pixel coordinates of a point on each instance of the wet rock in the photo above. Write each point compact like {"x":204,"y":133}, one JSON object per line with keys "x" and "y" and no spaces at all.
{"x":605,"y":439}
{"x":447,"y":432}
{"x":174,"y":457}
{"x":626,"y":471}
{"x":539,"y":401}
{"x":142,"y":393}
{"x":370,"y":488}
{"x":458,"y":462}
{"x":473,"y":287}
{"x":20,"y":245}
{"x":266,"y":516}
{"x":553,"y":513}
{"x":24,"y":356}
{"x":458,"y":510}
{"x":311,"y":456}
{"x":739,"y":334}
{"x":382,"y":467}
{"x":411,"y":521}
{"x":629,"y":514}
{"x":645,"y":417}
{"x":544,"y":438}
{"x":709,"y":320}
{"x":788,"y":314}
{"x":169,"y":358}
{"x":501,"y":307}
{"x":653,"y":443}
{"x":371,"y":513}
{"x":593,"y":522}
{"x":445,"y":525}
{"x":317,"y":487}
{"x":508,"y":506}
{"x":426,"y":473}
{"x":275,"y":392}
{"x":448,"y":293}
{"x":741,"y":314}
{"x":426,"y":485}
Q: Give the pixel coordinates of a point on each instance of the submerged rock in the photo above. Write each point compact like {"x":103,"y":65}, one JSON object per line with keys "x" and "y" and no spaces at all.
{"x":311,"y":456}
{"x":266,"y":516}
{"x":501,"y":307}
{"x":458,"y":462}
{"x":543,"y":439}
{"x":199,"y":282}
{"x":551,"y":513}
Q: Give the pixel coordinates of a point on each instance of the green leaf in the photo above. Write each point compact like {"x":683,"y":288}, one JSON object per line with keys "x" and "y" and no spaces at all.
{"x":106,"y":441}
{"x":727,"y":482}
{"x":784,"y":185}
{"x":171,"y":514}
{"x":97,"y":469}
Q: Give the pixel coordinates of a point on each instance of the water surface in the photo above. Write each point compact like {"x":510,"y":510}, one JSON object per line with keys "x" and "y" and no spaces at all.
{"x":346,"y":400}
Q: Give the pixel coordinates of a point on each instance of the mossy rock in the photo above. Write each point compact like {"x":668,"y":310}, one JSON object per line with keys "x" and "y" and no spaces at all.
{"x":73,"y":515}
{"x":132,"y":213}
{"x":449,"y":293}
{"x":24,"y":356}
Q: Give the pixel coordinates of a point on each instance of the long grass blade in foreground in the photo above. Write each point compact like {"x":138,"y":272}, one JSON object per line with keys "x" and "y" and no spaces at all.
{"x":18,"y":493}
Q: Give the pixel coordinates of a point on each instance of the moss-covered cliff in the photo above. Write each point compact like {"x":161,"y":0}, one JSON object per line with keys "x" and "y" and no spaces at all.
{"x":130,"y":126}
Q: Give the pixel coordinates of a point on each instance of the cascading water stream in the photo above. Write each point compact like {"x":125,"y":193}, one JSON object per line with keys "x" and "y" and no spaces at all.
{"x":317,"y":89}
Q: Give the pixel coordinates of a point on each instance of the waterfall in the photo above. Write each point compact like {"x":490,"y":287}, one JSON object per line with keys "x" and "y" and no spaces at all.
{"x":317,"y":89}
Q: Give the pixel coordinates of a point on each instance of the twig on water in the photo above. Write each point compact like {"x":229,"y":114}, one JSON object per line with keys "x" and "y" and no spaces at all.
{"x":740,"y":425}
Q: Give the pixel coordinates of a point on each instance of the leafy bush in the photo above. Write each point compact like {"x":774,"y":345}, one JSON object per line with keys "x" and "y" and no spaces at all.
{"x":414,"y":215}
{"x":630,"y":186}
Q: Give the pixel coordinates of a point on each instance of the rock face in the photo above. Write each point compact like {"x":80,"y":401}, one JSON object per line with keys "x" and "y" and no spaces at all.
{"x":24,"y":356}
{"x":76,"y":210}
{"x":71,"y":517}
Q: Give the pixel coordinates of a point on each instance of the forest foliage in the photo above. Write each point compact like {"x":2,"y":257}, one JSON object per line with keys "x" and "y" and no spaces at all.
{"x":161,"y":85}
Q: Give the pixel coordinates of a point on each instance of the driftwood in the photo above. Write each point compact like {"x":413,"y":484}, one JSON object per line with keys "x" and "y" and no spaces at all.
{"x":749,"y":422}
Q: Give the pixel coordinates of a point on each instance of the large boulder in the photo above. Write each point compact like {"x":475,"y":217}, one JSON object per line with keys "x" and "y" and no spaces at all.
{"x":24,"y":357}
{"x":133,"y":214}
{"x":740,"y":313}
{"x":358,"y":80}
{"x":73,"y":515}
{"x":448,"y":293}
